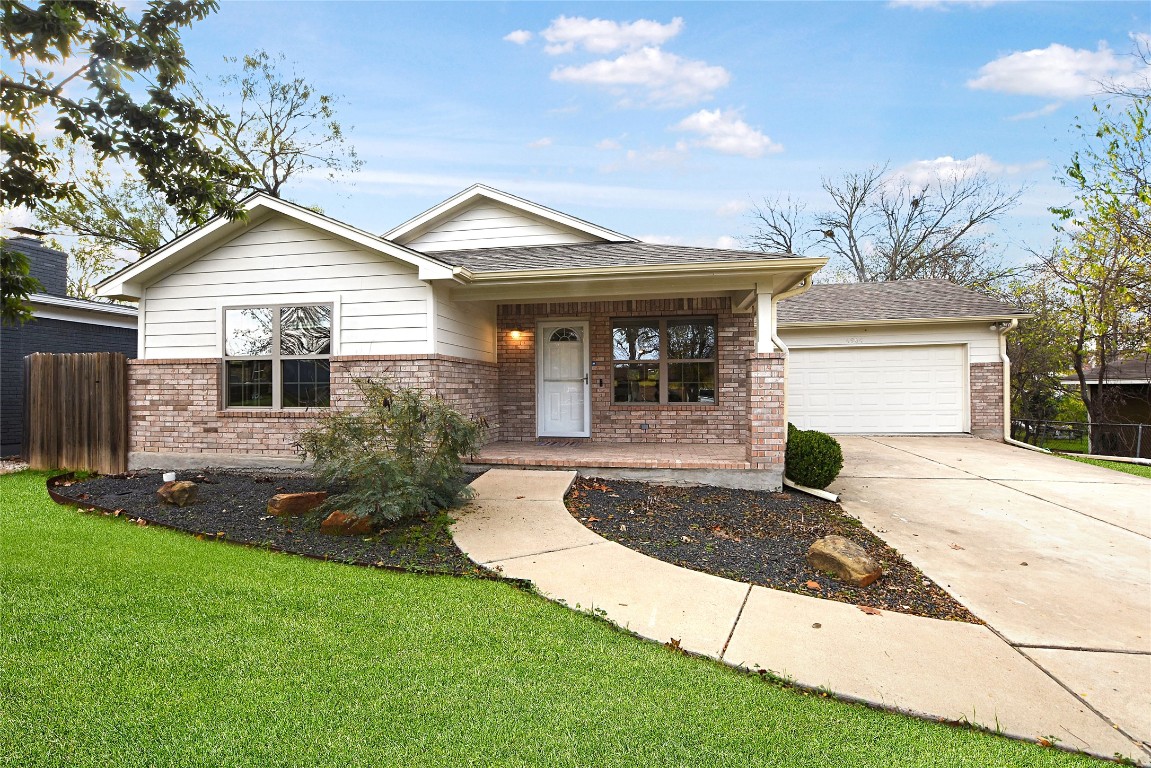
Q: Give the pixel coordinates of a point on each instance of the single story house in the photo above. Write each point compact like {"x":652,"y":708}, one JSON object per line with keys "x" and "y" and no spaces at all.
{"x":1126,"y":390}
{"x":549,"y":327}
{"x":59,"y":324}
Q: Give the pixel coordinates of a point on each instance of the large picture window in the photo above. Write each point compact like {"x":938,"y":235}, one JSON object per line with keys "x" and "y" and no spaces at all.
{"x":664,"y":361}
{"x":277,"y":356}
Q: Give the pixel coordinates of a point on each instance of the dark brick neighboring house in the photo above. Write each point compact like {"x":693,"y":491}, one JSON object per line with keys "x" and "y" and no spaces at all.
{"x":60,"y":324}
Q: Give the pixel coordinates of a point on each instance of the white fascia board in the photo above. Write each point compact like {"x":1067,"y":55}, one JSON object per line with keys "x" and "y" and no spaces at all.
{"x":130,"y":281}
{"x":46,"y":307}
{"x":1106,"y":382}
{"x":447,"y":208}
{"x":903,"y":321}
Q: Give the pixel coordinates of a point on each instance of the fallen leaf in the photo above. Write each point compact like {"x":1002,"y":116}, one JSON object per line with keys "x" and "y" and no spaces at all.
{"x":1044,"y":742}
{"x":870,"y":611}
{"x":593,"y":519}
{"x":812,"y":585}
{"x":519,"y":497}
{"x":956,"y":546}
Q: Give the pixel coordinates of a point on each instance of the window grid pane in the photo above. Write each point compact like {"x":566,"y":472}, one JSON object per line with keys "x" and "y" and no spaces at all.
{"x":678,"y":353}
{"x":305,"y":384}
{"x":691,"y":382}
{"x":249,"y":383}
{"x":636,"y":383}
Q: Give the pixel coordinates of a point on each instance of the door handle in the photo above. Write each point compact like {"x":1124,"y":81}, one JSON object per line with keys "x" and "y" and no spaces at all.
{"x":586,"y":378}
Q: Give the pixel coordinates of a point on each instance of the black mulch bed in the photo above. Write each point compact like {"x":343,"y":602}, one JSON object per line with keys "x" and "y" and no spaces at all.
{"x":232,"y":505}
{"x":753,"y":536}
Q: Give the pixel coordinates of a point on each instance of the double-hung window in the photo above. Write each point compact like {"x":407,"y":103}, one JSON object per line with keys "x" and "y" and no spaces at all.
{"x":664,"y":360}
{"x":277,"y":356}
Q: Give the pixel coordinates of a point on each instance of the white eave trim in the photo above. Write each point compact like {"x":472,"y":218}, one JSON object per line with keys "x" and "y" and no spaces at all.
{"x":129,"y":281}
{"x":67,"y":309}
{"x":415,"y":226}
{"x":903,"y":321}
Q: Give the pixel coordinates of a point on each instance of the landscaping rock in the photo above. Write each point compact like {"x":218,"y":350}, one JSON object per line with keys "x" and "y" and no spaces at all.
{"x":296,"y":503}
{"x":843,"y":558}
{"x":342,"y":524}
{"x":180,"y":493}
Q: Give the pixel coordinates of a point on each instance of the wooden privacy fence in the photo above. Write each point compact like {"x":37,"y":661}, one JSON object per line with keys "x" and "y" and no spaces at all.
{"x":76,"y":411}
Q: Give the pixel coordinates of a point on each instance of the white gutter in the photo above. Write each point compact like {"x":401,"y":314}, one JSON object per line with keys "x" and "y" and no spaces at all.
{"x":778,"y":342}
{"x":1012,"y":324}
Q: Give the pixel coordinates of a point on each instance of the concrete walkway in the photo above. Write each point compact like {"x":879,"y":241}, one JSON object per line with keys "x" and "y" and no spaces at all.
{"x":1055,"y":555}
{"x":518,"y":525}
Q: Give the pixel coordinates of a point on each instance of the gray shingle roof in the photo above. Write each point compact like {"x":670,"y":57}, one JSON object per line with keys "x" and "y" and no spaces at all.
{"x":592,"y":255}
{"x":1124,"y":369}
{"x":897,"y":300}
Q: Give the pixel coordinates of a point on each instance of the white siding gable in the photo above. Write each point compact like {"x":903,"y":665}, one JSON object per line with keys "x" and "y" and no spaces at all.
{"x":382,"y":306}
{"x":486,"y":224}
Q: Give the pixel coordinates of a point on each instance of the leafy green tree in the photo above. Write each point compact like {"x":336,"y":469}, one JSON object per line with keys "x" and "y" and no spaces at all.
{"x":1104,"y":265}
{"x":16,"y":285}
{"x":1040,"y":348}
{"x":107,"y":81}
{"x":280,"y":128}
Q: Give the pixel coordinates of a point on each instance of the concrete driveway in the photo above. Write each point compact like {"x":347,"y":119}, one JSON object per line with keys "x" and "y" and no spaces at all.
{"x":1054,"y":555}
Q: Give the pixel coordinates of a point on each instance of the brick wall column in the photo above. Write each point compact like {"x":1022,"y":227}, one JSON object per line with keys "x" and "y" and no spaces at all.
{"x":987,"y":400}
{"x":767,"y":432}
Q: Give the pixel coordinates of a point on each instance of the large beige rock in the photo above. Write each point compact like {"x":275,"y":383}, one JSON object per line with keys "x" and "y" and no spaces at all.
{"x":296,"y":503}
{"x":844,"y":559}
{"x":342,"y":524}
{"x":178,"y":492}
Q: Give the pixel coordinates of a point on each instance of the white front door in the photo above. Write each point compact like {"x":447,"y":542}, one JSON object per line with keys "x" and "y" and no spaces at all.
{"x":563,"y":387}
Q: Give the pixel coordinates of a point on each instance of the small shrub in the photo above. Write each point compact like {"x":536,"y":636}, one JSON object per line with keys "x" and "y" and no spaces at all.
{"x":813,"y":458}
{"x":397,"y":457}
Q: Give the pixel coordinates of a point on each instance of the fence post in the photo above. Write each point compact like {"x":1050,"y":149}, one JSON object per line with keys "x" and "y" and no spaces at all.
{"x":1138,"y":441}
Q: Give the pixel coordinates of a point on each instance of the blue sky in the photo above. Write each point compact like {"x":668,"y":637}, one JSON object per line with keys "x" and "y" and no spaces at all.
{"x":667,"y":129}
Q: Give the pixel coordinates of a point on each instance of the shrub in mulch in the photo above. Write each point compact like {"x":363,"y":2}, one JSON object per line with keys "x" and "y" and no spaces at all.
{"x":232,"y":505}
{"x":756,"y":537}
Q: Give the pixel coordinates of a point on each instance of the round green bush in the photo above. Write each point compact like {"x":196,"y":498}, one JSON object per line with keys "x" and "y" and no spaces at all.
{"x":813,"y":458}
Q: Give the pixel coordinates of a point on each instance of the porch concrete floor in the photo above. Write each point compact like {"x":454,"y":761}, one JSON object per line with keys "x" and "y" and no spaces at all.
{"x":560,"y":452}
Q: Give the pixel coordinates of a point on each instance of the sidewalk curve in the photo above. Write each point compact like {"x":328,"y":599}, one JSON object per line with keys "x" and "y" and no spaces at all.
{"x":518,"y":525}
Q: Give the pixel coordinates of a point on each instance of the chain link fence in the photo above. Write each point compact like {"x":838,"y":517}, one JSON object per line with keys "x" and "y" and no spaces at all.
{"x":1107,"y":438}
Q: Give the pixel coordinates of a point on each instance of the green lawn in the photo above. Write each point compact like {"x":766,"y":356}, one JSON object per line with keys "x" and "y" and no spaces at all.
{"x":1142,"y":470}
{"x":130,"y":646}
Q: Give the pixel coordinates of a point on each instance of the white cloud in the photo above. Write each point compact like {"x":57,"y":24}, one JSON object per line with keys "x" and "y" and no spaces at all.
{"x":1058,"y":71}
{"x":567,"y":33}
{"x":608,"y":144}
{"x":925,"y":172}
{"x":939,"y":5}
{"x":725,"y":132}
{"x":1043,"y":111}
{"x":727,"y":242}
{"x":651,"y":75}
{"x":732,"y":208}
{"x":519,"y":37}
{"x":658,"y":159}
{"x":540,"y":143}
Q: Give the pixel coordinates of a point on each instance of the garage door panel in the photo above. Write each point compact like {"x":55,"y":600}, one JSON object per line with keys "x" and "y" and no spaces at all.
{"x":878,"y":389}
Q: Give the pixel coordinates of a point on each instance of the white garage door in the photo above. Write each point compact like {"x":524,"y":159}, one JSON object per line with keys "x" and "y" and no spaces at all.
{"x":882,"y":390}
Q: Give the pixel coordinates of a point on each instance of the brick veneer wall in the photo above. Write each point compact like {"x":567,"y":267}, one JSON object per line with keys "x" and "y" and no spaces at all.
{"x":723,"y":422}
{"x":987,"y":400}
{"x":175,"y":405}
{"x":767,"y":437}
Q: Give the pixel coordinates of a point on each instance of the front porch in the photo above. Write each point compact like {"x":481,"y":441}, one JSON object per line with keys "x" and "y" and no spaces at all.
{"x":575,"y":454}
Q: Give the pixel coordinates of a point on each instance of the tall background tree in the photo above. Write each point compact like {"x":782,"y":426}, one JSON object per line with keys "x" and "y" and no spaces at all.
{"x":270,"y":122}
{"x":881,"y":226}
{"x":1103,"y":264}
{"x":107,"y":81}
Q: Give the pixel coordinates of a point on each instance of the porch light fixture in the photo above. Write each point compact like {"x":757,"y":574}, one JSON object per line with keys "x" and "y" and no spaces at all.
{"x":516,"y":334}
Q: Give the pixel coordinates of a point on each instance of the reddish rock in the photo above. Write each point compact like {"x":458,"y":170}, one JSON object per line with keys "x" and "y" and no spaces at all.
{"x":181,"y":493}
{"x":342,"y":524}
{"x":844,"y":559}
{"x":295,"y":503}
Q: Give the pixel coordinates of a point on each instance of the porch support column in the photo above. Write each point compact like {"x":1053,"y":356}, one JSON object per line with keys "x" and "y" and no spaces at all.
{"x":766,"y":422}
